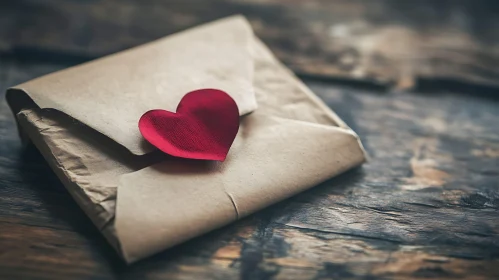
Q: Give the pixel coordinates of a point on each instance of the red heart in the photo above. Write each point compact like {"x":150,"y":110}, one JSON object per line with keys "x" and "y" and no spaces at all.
{"x":204,"y":127}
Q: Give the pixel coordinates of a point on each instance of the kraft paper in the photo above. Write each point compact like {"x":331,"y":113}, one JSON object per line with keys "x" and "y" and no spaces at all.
{"x":84,"y":121}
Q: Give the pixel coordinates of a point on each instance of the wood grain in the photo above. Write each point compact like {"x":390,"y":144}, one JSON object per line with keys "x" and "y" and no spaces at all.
{"x":425,"y":205}
{"x":387,"y":42}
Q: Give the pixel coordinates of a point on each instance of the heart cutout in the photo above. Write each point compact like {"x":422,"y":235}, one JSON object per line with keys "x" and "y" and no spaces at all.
{"x":204,"y":126}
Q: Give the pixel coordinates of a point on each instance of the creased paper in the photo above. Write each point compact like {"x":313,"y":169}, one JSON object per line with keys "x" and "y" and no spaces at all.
{"x":145,"y":204}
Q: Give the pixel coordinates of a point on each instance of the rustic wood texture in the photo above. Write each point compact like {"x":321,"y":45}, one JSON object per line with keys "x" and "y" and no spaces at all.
{"x":388,"y":42}
{"x":425,"y":205}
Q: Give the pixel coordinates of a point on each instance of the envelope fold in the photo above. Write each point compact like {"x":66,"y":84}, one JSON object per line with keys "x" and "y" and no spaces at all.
{"x":84,"y":122}
{"x":272,"y":158}
{"x":110,"y":94}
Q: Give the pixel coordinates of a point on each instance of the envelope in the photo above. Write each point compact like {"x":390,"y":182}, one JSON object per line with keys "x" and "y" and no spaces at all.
{"x":84,"y":120}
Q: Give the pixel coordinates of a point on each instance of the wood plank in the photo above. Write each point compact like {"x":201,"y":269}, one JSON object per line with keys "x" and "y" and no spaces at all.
{"x":389,"y":42}
{"x":425,"y":205}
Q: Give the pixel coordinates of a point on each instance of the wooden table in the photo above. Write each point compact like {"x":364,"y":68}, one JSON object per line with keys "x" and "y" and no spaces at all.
{"x":425,"y":205}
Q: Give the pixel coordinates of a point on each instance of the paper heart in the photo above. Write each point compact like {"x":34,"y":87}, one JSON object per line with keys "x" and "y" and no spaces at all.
{"x":204,"y":126}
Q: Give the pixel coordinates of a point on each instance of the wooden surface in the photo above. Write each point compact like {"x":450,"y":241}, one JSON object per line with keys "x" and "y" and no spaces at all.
{"x":389,"y":42}
{"x":426,"y":205}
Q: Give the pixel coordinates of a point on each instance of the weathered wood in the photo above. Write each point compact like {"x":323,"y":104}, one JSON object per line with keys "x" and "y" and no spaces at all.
{"x":381,"y":41}
{"x":425,"y":205}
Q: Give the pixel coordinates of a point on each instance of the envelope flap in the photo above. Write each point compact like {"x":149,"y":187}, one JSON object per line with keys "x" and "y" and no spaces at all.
{"x":110,"y":94}
{"x":271,"y":159}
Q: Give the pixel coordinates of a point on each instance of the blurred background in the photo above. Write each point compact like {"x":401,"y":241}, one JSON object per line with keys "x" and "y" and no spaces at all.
{"x":417,"y":80}
{"x":384,"y":42}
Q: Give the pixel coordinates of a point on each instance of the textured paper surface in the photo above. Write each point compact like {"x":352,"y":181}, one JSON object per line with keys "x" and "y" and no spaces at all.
{"x":110,"y":94}
{"x":145,"y":204}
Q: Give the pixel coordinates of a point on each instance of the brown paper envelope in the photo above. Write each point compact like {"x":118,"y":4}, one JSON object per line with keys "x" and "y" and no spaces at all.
{"x":110,"y":94}
{"x":145,"y":202}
